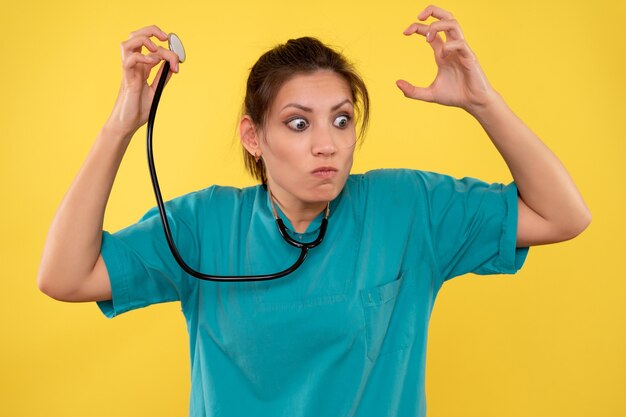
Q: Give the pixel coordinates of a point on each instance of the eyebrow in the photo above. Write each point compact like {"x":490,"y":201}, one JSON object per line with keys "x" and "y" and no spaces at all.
{"x":310,"y":110}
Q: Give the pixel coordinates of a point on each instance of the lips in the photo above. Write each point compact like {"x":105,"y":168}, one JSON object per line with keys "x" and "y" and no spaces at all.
{"x":324,"y":172}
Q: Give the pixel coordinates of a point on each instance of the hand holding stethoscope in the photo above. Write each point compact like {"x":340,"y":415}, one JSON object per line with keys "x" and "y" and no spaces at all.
{"x":135,"y":97}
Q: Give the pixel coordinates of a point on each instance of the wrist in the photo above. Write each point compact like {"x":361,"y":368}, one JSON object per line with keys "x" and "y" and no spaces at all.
{"x":490,"y":106}
{"x":115,"y":133}
{"x":112,"y":137}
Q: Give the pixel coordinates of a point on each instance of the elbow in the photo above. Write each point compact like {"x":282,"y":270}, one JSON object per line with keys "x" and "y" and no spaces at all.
{"x":586,"y":220}
{"x":534,"y":229}
{"x":577,"y":225}
{"x":47,"y":287}
{"x":51,"y":287}
{"x":583,"y":222}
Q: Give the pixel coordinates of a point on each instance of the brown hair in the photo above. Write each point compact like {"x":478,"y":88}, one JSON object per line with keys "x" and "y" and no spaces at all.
{"x":277,"y":66}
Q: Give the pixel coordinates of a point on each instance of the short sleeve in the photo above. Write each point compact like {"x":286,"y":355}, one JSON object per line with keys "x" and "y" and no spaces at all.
{"x":473,"y":226}
{"x":141,"y":267}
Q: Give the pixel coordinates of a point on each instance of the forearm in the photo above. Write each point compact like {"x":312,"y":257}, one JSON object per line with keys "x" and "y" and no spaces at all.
{"x":543,"y":182}
{"x":74,"y":239}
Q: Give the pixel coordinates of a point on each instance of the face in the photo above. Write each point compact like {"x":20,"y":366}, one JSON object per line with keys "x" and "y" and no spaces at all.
{"x":308,"y":142}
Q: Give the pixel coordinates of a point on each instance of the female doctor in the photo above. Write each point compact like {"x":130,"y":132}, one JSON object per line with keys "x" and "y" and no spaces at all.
{"x":345,"y":334}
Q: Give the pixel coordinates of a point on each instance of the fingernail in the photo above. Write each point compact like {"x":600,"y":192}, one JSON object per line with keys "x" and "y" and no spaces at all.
{"x":427,"y":36}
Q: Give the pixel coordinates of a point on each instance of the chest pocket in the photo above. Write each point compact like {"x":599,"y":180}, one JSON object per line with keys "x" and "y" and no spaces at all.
{"x":390,"y":317}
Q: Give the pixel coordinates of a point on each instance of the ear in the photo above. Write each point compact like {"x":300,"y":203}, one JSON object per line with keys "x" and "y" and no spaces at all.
{"x":249,"y":136}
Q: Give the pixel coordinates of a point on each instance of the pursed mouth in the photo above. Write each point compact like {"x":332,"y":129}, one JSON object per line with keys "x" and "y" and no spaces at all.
{"x":324,"y":172}
{"x":325,"y":169}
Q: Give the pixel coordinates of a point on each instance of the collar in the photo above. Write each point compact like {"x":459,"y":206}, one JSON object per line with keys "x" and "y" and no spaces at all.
{"x":315,"y":224}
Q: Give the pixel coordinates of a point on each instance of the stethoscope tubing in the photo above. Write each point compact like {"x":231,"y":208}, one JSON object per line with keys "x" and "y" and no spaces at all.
{"x":303,"y":246}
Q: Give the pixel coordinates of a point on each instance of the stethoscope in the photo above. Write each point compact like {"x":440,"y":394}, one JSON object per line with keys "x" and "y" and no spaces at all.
{"x":176,"y":46}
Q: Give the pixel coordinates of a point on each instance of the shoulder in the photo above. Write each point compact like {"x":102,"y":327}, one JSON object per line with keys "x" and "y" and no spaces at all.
{"x":217,"y":197}
{"x":388,"y":189}
{"x":405,"y":187}
{"x":217,"y":194}
{"x":398,"y":179}
{"x":428,"y":181}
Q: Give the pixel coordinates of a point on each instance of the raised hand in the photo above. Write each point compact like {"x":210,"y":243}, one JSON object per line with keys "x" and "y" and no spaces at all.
{"x":135,"y":95}
{"x":460,"y":80}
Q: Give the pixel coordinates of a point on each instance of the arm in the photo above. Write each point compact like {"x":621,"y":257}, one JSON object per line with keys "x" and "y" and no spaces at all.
{"x":71,"y":267}
{"x":550,"y":207}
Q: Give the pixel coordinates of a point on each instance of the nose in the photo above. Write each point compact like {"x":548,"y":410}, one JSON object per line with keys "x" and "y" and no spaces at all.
{"x":323,"y":143}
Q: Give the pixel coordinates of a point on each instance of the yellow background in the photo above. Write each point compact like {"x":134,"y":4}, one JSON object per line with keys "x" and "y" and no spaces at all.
{"x":549,"y":341}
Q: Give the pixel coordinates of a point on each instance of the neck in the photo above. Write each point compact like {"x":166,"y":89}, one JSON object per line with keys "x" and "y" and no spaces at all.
{"x":299,"y":213}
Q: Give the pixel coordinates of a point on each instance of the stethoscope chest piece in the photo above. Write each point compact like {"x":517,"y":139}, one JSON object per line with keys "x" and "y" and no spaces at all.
{"x":176,"y":46}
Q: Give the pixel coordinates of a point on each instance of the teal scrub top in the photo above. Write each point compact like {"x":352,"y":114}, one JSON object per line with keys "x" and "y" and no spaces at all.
{"x":346,"y":333}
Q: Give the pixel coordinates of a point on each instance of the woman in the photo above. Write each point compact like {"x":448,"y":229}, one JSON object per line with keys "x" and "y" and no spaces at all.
{"x":345,"y":334}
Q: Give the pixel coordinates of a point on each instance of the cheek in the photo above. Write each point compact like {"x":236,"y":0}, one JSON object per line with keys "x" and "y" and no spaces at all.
{"x":284,"y":149}
{"x":283,"y":156}
{"x":349,"y":156}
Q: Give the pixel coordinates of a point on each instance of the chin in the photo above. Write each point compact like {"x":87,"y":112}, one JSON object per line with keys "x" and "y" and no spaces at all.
{"x":327,"y":192}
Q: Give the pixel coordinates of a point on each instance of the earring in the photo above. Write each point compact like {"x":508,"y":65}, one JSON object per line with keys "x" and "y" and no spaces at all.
{"x":257,"y":157}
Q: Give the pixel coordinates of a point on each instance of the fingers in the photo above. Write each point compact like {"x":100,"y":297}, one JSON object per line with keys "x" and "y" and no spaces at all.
{"x":425,"y":30}
{"x":435,"y":12}
{"x":131,"y":49}
{"x":137,"y":58}
{"x":142,"y":37}
{"x":418,"y":28}
{"x":155,"y":82}
{"x":167,"y":55}
{"x":152,"y":30}
{"x":459,"y":46}
{"x":152,"y":59}
{"x":410,"y":91}
{"x":455,"y":40}
{"x":447,"y":24}
{"x":451,"y":28}
{"x":134,"y":44}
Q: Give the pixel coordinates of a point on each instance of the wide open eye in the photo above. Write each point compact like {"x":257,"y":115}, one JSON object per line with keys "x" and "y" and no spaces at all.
{"x":342,"y":121}
{"x":298,"y":124}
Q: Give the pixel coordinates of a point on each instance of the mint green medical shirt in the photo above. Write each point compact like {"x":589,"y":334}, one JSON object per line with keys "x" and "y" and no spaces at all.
{"x":345,"y":334}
